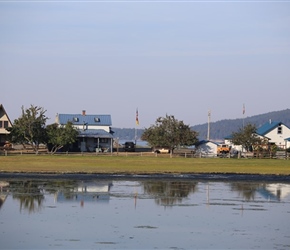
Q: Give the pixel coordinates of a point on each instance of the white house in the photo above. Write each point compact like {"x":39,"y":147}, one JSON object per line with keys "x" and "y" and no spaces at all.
{"x":277,"y":132}
{"x":4,"y":123}
{"x":274,"y":132}
{"x":287,"y":142}
{"x":206,"y":148}
{"x":95,"y":132}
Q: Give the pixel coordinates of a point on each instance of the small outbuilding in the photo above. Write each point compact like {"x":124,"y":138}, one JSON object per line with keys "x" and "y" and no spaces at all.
{"x":207,"y":148}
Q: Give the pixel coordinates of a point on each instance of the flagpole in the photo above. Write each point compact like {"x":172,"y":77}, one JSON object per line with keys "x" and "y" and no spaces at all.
{"x":137,"y":123}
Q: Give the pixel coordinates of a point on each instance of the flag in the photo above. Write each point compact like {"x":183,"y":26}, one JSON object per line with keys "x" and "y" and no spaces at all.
{"x":137,"y":119}
{"x":244,"y":110}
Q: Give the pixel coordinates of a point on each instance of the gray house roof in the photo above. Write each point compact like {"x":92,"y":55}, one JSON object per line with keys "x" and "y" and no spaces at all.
{"x":95,"y":133}
{"x":79,"y":119}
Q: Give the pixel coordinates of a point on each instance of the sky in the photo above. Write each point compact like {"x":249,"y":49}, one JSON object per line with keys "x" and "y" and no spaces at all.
{"x":180,"y":58}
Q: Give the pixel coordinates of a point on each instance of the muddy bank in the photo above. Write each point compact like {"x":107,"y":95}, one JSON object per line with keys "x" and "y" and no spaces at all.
{"x":200,"y":177}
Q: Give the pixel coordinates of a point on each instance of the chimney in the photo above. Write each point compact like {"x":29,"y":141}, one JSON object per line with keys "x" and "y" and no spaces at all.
{"x":84,"y":113}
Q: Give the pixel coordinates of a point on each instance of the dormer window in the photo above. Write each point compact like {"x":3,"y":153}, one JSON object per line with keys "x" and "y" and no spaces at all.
{"x":85,"y":126}
{"x":97,"y":119}
{"x":279,"y":129}
{"x":76,"y":119}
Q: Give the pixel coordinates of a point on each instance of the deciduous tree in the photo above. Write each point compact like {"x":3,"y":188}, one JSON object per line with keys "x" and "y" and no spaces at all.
{"x":246,"y":137}
{"x":59,"y":137}
{"x":169,"y":132}
{"x":29,"y":128}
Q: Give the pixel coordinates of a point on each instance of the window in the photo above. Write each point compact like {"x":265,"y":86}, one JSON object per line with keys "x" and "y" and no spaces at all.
{"x":101,"y":140}
{"x":76,"y":119}
{"x":3,"y":124}
{"x":97,"y":119}
{"x":279,"y":130}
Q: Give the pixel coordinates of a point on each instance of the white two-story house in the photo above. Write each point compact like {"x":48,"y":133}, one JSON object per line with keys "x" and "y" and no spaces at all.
{"x":274,"y":132}
{"x":95,"y":134}
{"x":277,"y":132}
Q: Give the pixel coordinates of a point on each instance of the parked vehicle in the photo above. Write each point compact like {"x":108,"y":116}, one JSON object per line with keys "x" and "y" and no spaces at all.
{"x":129,"y":146}
{"x":223,"y":149}
{"x":161,"y":150}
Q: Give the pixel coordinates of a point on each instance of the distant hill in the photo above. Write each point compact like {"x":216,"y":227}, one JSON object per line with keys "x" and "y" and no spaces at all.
{"x":218,"y":130}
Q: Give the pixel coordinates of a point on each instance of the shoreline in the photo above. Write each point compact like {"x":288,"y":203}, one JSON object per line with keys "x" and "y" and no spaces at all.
{"x":225,"y":177}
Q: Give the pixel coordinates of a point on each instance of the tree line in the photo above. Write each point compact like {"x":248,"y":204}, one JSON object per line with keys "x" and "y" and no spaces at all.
{"x":30,"y":128}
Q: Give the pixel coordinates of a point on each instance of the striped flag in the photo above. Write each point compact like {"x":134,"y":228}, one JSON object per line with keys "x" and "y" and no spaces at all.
{"x":137,"y":119}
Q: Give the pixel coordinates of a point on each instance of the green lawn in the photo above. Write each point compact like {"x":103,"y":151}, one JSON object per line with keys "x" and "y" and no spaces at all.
{"x":139,"y":164}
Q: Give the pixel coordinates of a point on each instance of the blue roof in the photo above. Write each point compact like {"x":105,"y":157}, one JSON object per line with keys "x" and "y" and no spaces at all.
{"x":267,"y":127}
{"x":79,"y":119}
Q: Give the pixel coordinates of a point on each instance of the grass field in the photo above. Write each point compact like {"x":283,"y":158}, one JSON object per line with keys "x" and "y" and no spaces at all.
{"x":139,"y":165}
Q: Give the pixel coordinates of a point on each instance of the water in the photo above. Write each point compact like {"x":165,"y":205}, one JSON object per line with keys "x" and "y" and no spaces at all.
{"x":143,"y":214}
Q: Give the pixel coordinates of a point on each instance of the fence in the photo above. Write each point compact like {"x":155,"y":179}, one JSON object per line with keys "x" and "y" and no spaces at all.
{"x":122,"y":154}
{"x":278,"y":155}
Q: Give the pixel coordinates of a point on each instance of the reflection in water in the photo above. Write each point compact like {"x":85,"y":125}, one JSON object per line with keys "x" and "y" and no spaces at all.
{"x":273,"y":192}
{"x":29,"y":195}
{"x":3,"y":192}
{"x":246,"y":190}
{"x":130,"y":214}
{"x":169,"y":192}
{"x":85,"y":192}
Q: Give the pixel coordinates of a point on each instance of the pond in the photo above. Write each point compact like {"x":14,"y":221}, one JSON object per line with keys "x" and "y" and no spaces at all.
{"x":143,"y":213}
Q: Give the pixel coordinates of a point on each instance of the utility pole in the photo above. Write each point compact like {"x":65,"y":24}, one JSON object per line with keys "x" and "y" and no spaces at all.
{"x":208,"y":124}
{"x":244,"y":110}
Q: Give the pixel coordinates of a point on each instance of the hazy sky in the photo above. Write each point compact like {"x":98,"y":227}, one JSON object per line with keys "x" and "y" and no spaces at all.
{"x":179,"y":58}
